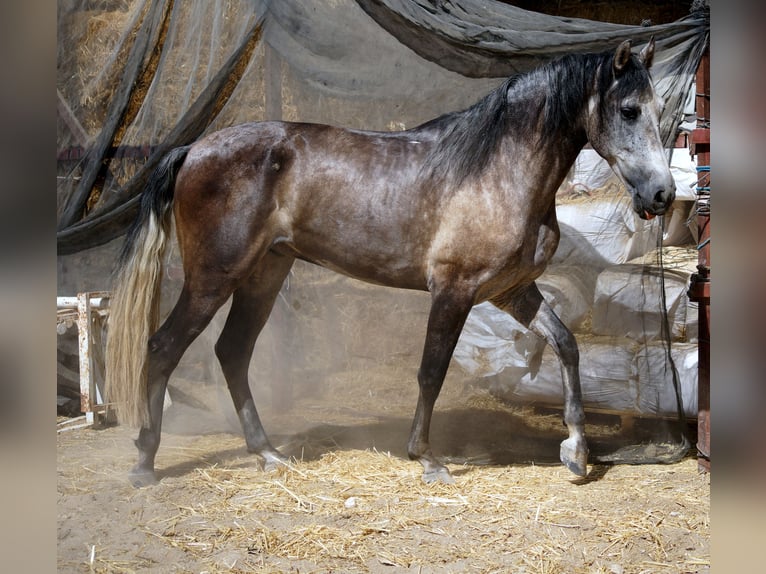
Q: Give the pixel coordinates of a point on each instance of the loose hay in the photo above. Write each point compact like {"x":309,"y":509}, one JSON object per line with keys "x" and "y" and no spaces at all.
{"x":368,"y":511}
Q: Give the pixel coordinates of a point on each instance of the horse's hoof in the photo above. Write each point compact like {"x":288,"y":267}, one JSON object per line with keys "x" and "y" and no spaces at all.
{"x":273,"y":461}
{"x":440,"y":475}
{"x":574,"y":454}
{"x":140,"y":478}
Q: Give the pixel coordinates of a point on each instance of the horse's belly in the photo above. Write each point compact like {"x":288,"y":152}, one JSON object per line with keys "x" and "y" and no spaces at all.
{"x":361,"y":260}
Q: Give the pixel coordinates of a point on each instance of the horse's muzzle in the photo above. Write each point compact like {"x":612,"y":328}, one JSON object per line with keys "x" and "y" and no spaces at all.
{"x":658,"y":202}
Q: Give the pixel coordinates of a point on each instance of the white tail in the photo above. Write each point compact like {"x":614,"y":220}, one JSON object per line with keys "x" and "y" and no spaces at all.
{"x":134,"y":311}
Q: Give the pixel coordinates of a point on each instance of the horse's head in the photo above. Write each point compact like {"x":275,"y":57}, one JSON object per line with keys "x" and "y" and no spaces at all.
{"x":623,"y":127}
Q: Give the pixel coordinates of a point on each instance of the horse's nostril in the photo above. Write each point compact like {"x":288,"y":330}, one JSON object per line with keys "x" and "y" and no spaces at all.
{"x":661,"y":196}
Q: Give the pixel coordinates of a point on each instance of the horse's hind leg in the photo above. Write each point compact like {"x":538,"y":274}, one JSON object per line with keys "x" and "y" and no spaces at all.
{"x":530,"y":309}
{"x":251,"y":305}
{"x":188,"y":318}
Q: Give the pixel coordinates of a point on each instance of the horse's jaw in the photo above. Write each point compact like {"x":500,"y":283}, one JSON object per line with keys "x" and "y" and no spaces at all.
{"x":652,"y":191}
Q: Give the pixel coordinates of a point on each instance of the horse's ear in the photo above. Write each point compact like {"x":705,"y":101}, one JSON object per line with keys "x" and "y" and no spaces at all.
{"x":646,"y":56}
{"x":621,"y":57}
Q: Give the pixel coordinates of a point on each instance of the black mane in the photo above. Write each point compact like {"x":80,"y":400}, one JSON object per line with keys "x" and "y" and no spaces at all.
{"x":468,"y":139}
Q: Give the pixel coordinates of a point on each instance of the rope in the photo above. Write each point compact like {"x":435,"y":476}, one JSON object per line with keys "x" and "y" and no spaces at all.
{"x":703,"y":191}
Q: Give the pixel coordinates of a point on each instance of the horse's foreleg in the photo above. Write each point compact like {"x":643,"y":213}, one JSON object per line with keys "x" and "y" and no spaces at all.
{"x":445,"y":321}
{"x":530,"y":309}
{"x":189,"y":317}
{"x":250,"y":309}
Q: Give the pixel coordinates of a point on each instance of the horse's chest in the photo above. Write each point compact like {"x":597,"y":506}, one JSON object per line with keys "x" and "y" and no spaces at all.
{"x":520,"y":264}
{"x":497,"y":248}
{"x":529,"y":249}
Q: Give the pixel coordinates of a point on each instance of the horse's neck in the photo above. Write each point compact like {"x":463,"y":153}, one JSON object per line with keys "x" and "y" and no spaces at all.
{"x":544,"y":162}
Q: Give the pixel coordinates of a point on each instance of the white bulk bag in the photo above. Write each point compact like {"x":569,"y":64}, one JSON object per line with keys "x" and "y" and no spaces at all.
{"x":627,"y":302}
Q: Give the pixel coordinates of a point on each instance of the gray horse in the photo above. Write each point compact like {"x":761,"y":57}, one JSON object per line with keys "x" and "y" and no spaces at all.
{"x":462,"y":206}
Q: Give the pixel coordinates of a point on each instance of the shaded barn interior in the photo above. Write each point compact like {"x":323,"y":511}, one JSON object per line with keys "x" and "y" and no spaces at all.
{"x":138,"y":77}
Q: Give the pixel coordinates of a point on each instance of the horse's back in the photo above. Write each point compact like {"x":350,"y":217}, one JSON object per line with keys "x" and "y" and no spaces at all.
{"x":356,"y":202}
{"x":350,"y":200}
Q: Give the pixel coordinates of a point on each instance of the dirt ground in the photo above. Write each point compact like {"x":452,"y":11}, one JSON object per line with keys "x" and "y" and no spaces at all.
{"x":345,"y":357}
{"x":352,"y":502}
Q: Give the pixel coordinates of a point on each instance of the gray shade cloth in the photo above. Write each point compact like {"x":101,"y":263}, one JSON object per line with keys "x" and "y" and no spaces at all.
{"x":396,"y":62}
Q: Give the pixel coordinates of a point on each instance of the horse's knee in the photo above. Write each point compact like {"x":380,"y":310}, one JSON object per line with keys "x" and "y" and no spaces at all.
{"x":430,"y":378}
{"x":563,"y":342}
{"x":568,"y":350}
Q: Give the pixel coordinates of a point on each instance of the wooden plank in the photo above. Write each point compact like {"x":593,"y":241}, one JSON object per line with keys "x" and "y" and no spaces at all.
{"x":701,"y":136}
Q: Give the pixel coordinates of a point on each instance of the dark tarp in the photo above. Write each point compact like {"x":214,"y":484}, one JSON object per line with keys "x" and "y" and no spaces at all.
{"x":483,"y":39}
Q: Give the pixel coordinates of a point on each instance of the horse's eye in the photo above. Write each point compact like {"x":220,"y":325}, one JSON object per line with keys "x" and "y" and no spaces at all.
{"x":629,"y":112}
